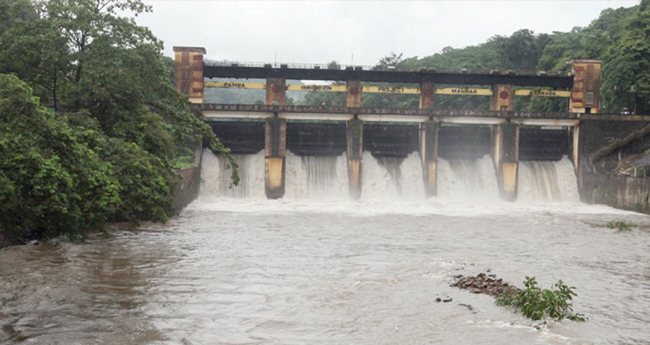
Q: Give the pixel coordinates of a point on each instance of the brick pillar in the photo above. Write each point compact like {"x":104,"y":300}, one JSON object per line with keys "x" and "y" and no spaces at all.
{"x":429,"y":156}
{"x":354,"y":153}
{"x":354,"y":94}
{"x":503,"y":98}
{"x":506,"y":158}
{"x":276,"y":91}
{"x":275,"y":150}
{"x":189,"y":72}
{"x":585,"y":93}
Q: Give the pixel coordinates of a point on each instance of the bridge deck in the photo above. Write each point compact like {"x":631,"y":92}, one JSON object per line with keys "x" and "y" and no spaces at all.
{"x":560,"y":82}
{"x":236,"y":112}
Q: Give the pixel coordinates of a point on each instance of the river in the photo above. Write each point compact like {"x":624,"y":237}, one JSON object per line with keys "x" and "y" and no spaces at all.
{"x":316,"y":268}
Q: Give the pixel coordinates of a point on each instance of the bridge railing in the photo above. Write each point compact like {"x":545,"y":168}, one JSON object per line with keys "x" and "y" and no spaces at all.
{"x":294,"y":65}
{"x":379,"y":111}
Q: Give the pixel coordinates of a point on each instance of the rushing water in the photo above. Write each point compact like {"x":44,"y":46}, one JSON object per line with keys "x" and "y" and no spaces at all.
{"x":316,"y":268}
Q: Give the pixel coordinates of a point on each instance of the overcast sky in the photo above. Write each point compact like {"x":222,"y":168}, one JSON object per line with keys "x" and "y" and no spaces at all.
{"x":353,"y":32}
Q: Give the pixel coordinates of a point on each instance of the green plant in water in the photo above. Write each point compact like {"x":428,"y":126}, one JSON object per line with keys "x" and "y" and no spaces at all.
{"x":536,"y":303}
{"x":620,"y":225}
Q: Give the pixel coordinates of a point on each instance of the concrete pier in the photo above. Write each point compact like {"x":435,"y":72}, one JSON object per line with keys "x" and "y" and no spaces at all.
{"x":354,"y":94}
{"x":585,"y":92}
{"x":506,"y":158}
{"x":354,"y":152}
{"x":503,"y":97}
{"x":427,"y":93}
{"x":429,"y":156}
{"x":275,"y":150}
{"x":189,"y":72}
{"x":276,"y":91}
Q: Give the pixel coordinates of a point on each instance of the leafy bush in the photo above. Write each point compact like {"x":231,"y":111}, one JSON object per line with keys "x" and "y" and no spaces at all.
{"x":536,"y":303}
{"x":620,"y":225}
{"x":50,"y":182}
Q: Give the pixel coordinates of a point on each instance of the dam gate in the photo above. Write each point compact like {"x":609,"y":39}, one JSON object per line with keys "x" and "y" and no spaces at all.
{"x":506,"y":135}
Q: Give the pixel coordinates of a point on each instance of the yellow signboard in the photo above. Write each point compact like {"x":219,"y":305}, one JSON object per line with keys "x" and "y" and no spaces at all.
{"x":391,"y":89}
{"x":386,"y":89}
{"x":234,"y":85}
{"x":330,"y":88}
{"x":543,"y":93}
{"x":464,"y":91}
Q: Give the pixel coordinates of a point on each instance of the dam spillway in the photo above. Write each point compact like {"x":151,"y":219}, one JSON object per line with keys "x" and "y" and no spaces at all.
{"x":377,"y":160}
{"x":390,"y":179}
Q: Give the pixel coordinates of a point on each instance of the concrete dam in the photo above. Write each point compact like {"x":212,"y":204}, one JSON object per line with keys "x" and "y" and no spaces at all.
{"x":390,"y":158}
{"x":526,"y":155}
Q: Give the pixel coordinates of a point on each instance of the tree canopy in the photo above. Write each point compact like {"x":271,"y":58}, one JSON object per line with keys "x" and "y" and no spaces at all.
{"x":112,"y":123}
{"x":619,"y":37}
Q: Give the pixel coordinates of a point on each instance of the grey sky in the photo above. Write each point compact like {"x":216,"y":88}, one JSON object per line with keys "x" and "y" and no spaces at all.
{"x":318,"y":32}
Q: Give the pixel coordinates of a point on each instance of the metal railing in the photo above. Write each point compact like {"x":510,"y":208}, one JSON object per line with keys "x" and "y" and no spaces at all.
{"x":226,"y":63}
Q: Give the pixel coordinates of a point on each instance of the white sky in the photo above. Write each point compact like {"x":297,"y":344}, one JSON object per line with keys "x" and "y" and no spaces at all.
{"x":322,"y":31}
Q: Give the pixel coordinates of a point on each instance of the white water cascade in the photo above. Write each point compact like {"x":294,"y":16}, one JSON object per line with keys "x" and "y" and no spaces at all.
{"x":316,"y":177}
{"x":216,"y":178}
{"x":387,"y":178}
{"x":547,"y":181}
{"x":467,"y":180}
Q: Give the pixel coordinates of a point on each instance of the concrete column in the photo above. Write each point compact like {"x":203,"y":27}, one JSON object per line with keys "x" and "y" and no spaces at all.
{"x":427,"y":100}
{"x":503,"y":98}
{"x":275,"y":150}
{"x":354,"y":94}
{"x":429,"y":156}
{"x":506,"y":158}
{"x":276,"y":91}
{"x":354,"y":153}
{"x":577,"y":144}
{"x":585,"y":93}
{"x":189,"y":72}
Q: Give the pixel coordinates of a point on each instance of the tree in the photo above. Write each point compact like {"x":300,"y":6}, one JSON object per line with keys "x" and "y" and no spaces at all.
{"x":626,"y":80}
{"x":106,"y":79}
{"x":50,"y":182}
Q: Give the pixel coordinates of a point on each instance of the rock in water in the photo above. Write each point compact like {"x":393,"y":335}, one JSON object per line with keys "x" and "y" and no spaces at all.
{"x":484,"y":284}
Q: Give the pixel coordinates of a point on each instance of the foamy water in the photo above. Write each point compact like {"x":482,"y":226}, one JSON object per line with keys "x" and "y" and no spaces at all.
{"x":318,"y":268}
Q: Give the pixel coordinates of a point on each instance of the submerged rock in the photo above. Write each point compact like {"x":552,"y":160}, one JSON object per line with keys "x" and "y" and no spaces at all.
{"x":483,"y":283}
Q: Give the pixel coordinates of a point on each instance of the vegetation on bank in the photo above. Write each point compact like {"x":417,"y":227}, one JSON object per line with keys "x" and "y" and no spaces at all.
{"x":90,"y":122}
{"x":620,"y":225}
{"x":537,"y":304}
{"x":620,"y":37}
{"x":533,"y":302}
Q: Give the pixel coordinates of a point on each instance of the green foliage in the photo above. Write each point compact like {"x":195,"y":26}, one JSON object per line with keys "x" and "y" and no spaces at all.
{"x":620,"y":225}
{"x":536,"y":303}
{"x":116,"y":125}
{"x":50,"y":182}
{"x":620,"y":37}
{"x":625,"y":77}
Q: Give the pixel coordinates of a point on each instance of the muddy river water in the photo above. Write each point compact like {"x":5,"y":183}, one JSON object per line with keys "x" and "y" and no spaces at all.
{"x":304,"y":271}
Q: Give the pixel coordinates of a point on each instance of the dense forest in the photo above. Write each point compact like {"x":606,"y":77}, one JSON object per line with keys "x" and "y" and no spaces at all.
{"x":620,"y":37}
{"x":91,"y":125}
